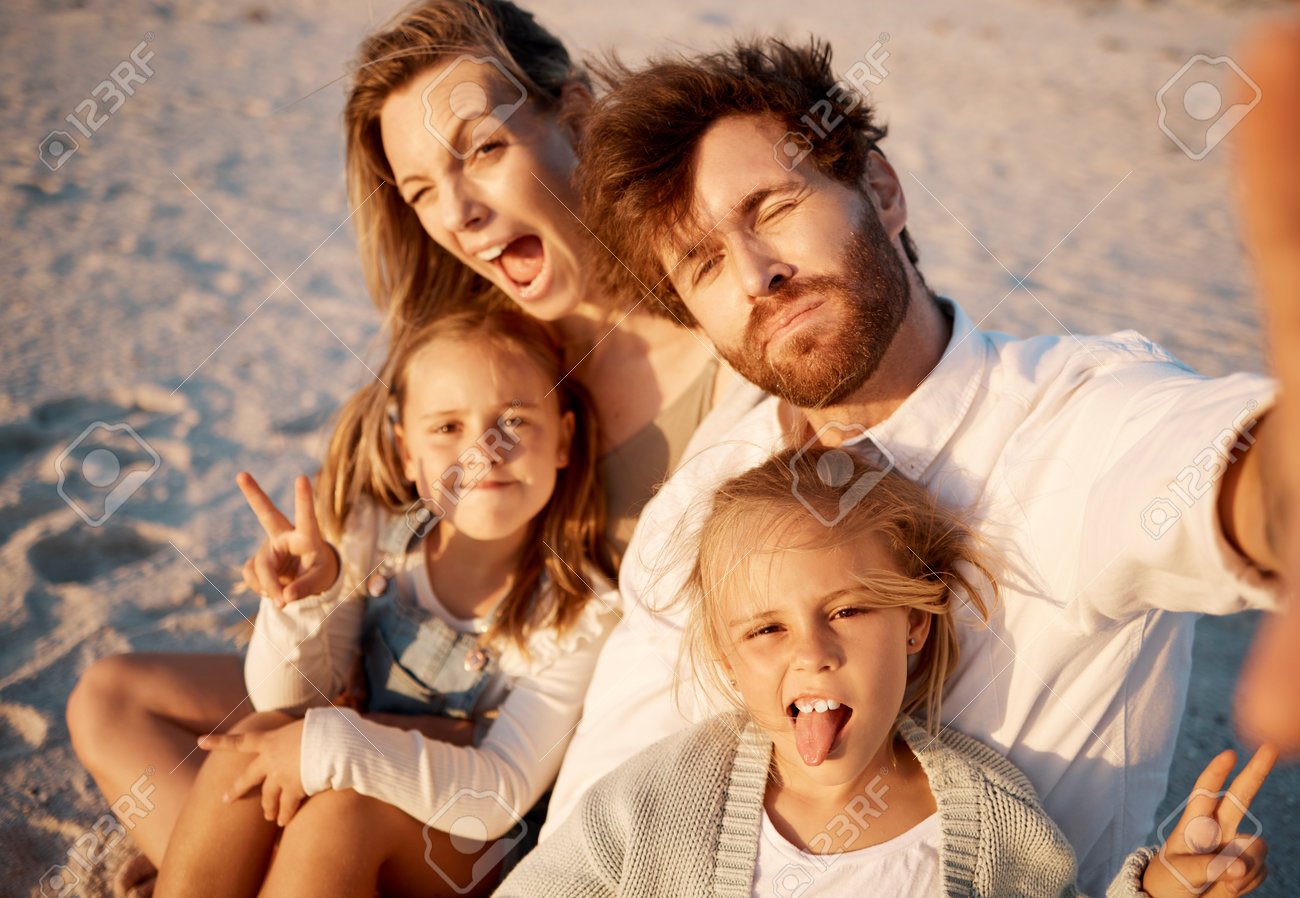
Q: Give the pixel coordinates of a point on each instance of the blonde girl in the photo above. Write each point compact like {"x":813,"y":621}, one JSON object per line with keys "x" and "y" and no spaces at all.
{"x":460,"y":614}
{"x":834,"y":775}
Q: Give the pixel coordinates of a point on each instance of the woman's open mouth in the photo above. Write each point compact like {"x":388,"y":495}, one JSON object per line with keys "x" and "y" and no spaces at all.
{"x":818,"y":723}
{"x":525,"y":266}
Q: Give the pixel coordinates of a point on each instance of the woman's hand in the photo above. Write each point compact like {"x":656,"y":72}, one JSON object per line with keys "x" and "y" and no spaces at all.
{"x":295,"y":561}
{"x":1206,"y":855}
{"x":275,"y":765}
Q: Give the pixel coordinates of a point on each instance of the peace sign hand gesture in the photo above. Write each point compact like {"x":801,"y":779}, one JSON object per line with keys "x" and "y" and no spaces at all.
{"x":295,"y":561}
{"x":1207,"y":854}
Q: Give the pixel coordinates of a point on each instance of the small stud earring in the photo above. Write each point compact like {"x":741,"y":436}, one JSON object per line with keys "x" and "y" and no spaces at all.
{"x":911,"y":642}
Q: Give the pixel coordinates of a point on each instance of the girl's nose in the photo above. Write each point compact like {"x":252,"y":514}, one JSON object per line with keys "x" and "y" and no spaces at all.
{"x":817,"y":649}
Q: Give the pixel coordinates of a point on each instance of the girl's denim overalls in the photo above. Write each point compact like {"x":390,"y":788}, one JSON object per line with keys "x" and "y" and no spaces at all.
{"x":415,"y":663}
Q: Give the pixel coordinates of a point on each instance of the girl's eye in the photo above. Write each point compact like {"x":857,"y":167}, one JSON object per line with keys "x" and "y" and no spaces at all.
{"x":514,"y":422}
{"x":848,"y":612}
{"x":446,"y":428}
{"x":765,"y":630}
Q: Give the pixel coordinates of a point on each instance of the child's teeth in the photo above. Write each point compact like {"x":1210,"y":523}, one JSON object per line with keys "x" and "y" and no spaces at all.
{"x":804,"y":707}
{"x":832,"y":704}
{"x":820,"y":704}
{"x":810,"y":706}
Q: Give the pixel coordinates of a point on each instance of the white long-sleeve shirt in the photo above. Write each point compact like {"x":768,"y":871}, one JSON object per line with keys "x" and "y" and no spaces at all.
{"x":302,"y":654}
{"x":1092,"y":465}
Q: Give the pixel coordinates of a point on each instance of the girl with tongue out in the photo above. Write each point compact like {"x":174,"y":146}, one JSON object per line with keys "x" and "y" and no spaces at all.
{"x":833,"y":776}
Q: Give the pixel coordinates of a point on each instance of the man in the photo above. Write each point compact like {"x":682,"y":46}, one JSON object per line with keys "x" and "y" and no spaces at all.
{"x":1118,"y":487}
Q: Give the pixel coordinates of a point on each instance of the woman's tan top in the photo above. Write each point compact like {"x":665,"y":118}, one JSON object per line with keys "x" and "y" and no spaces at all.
{"x":634,"y":470}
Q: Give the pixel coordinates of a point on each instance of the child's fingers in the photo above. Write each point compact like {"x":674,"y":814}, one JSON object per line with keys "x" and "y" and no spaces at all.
{"x":289,"y":804}
{"x":252,"y":777}
{"x":228,"y":742}
{"x":304,"y":509}
{"x":270,"y":800}
{"x":267,"y":576}
{"x":1204,"y":801}
{"x":270,"y":517}
{"x":1244,"y":788}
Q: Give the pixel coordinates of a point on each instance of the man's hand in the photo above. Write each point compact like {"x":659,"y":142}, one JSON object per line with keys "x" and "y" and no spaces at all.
{"x":1268,"y":150}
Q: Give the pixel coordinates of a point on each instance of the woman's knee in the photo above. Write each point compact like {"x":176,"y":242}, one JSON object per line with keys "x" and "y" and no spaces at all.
{"x":98,"y":698}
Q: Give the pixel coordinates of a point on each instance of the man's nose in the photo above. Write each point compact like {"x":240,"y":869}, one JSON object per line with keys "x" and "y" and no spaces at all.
{"x":759,"y":271}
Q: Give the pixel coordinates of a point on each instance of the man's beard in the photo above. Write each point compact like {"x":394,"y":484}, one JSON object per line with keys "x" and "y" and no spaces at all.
{"x":823,"y":365}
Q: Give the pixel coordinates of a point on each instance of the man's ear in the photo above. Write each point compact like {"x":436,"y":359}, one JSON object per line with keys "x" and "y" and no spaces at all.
{"x":404,"y":453}
{"x":886,"y":191}
{"x":564,"y":450}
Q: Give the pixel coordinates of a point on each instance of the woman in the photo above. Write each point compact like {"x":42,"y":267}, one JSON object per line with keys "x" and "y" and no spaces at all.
{"x":462,"y":135}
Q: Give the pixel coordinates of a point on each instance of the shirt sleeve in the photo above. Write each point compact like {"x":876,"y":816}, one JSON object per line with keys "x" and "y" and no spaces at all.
{"x":301,"y":655}
{"x":1149,"y":445}
{"x":497,"y":781}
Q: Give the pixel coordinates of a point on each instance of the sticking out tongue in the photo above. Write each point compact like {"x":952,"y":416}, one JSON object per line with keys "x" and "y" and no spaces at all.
{"x":522,"y":260}
{"x":815,"y":732}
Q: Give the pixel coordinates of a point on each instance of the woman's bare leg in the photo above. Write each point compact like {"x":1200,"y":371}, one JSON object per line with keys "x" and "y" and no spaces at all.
{"x":342,"y":843}
{"x":220,"y":849}
{"x":133,"y":712}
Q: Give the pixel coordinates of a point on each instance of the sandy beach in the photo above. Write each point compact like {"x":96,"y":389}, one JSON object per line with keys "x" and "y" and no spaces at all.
{"x":185,"y":266}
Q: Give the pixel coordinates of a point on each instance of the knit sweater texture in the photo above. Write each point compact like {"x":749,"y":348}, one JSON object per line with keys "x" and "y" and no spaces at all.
{"x":683,"y":819}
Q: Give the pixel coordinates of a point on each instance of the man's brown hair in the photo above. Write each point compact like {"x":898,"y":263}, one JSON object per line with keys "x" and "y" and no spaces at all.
{"x":637,"y":168}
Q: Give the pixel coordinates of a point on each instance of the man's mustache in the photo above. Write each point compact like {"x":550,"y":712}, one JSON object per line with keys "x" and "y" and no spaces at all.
{"x":788,"y":292}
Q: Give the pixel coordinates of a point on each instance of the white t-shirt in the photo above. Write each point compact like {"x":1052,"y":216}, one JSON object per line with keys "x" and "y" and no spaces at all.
{"x":1090,"y":463}
{"x":907,"y":866}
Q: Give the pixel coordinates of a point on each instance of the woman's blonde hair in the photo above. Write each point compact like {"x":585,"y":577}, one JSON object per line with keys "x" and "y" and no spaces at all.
{"x":410,"y":277}
{"x":820,"y":498}
{"x":363,"y":459}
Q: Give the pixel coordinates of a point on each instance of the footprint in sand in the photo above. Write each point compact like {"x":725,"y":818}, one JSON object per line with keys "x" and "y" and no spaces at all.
{"x":81,"y":553}
{"x":100,"y":451}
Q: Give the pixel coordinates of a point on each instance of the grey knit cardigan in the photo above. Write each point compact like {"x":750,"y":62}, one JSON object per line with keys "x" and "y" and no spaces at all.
{"x":683,"y":817}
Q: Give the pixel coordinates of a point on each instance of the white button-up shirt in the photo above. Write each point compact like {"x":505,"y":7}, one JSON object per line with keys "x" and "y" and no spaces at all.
{"x":1091,"y":465}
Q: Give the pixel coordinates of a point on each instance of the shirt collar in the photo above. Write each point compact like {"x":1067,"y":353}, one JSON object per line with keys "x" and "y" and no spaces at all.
{"x":921,"y":427}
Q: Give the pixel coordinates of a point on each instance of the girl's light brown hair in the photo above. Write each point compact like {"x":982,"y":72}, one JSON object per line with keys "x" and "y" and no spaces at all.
{"x":784,"y":504}
{"x":363,"y":460}
{"x":409,"y":276}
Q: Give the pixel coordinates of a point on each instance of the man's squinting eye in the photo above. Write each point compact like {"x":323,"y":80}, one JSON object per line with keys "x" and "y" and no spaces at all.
{"x":703,"y":268}
{"x":776,"y":211}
